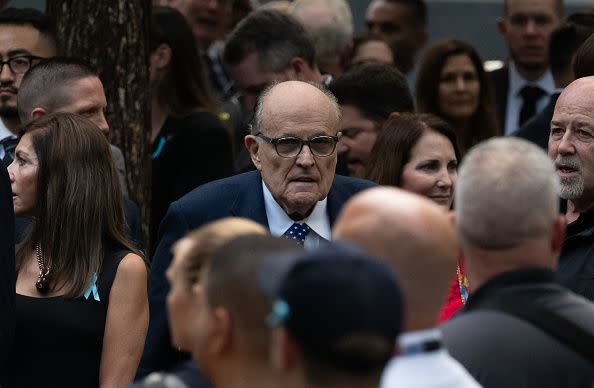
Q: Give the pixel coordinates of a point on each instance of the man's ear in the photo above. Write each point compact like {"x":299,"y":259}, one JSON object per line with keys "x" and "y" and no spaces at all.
{"x":37,"y":113}
{"x":283,"y":352}
{"x":393,"y":115}
{"x":251,"y":143}
{"x":162,"y":56}
{"x":299,"y":69}
{"x":221,"y":336}
{"x":558,"y":234}
{"x":502,"y":27}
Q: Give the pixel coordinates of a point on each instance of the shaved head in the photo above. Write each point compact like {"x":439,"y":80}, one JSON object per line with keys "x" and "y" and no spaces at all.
{"x":394,"y":225}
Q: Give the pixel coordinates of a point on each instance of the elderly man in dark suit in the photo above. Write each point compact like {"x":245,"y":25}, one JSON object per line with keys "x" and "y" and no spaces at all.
{"x":294,"y":192}
{"x":7,"y":269}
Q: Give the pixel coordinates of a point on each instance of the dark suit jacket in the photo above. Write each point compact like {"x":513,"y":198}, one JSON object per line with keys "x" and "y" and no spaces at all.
{"x":238,"y":196}
{"x":537,"y":128}
{"x":500,"y":81}
{"x":7,"y":269}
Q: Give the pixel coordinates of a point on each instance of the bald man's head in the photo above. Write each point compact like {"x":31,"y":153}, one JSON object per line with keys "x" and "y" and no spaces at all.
{"x":414,"y":236}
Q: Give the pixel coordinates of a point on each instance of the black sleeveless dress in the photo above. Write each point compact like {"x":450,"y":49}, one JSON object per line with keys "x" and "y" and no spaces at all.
{"x":58,"y":341}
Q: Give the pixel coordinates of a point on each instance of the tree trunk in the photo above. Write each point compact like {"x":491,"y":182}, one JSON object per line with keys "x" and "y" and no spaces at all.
{"x":113,"y":36}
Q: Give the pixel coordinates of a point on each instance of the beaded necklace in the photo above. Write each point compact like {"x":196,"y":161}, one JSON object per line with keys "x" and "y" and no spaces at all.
{"x":462,"y":284}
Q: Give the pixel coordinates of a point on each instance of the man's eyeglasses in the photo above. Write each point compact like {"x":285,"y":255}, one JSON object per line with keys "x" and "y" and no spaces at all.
{"x":289,"y":147}
{"x":21,"y":64}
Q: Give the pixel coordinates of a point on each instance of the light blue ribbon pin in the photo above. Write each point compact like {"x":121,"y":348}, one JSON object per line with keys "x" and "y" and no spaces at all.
{"x":93,"y":288}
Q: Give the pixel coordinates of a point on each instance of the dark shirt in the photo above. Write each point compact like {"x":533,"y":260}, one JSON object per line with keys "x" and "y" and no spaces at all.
{"x":576,"y":262}
{"x":501,"y":350}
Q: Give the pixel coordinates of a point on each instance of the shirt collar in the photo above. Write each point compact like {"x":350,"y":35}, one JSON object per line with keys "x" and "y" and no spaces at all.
{"x":5,"y":132}
{"x":529,"y":275}
{"x":516,"y":82}
{"x":279,"y":221}
{"x":412,"y":338}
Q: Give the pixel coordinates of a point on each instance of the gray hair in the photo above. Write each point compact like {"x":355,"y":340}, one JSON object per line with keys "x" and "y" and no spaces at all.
{"x":506,"y":193}
{"x":331,"y":32}
{"x":258,"y":113}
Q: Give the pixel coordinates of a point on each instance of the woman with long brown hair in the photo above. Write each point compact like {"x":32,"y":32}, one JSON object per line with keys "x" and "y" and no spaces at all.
{"x":419,"y":153}
{"x":82,"y":309}
{"x":453,"y":85}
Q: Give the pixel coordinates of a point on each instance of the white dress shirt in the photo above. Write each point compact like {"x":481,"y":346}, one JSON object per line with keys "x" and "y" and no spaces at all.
{"x":4,"y":133}
{"x":279,"y":222}
{"x":514,"y":100}
{"x":429,"y":369}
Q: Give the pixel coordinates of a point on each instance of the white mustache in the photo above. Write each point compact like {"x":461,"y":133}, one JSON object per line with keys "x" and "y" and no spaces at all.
{"x":569,"y":161}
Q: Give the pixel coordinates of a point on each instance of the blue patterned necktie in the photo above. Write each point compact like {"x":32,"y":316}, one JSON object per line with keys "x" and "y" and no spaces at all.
{"x":297,"y":232}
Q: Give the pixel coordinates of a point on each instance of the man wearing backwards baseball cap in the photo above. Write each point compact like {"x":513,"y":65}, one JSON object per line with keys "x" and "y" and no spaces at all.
{"x":334,"y":320}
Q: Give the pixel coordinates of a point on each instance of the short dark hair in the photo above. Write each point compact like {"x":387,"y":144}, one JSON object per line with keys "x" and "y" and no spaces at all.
{"x":565,"y":41}
{"x":396,"y":141}
{"x":559,"y":8}
{"x":376,"y":89}
{"x":418,"y":8}
{"x":275,"y":36}
{"x":583,"y":66}
{"x":184,"y":87}
{"x":45,"y":84}
{"x":483,"y":123}
{"x":30,"y":16}
{"x":232,"y":282}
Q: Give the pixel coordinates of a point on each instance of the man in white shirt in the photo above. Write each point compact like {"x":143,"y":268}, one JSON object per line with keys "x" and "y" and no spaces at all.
{"x":523,"y":87}
{"x":417,"y":240}
{"x":294,"y":192}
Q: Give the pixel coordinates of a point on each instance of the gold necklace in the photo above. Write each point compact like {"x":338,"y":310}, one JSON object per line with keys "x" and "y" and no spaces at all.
{"x":42,"y":283}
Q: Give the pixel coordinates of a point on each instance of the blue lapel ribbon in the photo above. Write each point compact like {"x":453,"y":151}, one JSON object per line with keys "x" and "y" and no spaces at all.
{"x":93,"y":288}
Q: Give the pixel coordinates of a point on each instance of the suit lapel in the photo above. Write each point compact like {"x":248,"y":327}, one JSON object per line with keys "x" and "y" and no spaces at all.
{"x":249,"y":199}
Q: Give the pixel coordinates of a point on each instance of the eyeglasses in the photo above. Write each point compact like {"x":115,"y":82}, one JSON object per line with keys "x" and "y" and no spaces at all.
{"x":21,"y":64}
{"x":289,"y":147}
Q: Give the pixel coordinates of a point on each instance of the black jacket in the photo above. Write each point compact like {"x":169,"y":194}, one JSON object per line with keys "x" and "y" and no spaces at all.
{"x":501,"y":350}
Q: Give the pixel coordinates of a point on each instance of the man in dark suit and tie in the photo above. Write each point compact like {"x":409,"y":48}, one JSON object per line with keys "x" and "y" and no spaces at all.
{"x":565,"y":41}
{"x":292,"y":143}
{"x":7,"y":269}
{"x":524,"y":85}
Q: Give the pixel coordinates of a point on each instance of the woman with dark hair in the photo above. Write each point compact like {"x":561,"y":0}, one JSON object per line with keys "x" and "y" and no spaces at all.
{"x":453,"y":85}
{"x":190,"y":144}
{"x":419,"y":153}
{"x":82,"y":308}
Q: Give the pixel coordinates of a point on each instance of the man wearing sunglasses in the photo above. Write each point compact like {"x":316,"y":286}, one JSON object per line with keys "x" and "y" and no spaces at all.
{"x":294,"y":192}
{"x":26,"y":36}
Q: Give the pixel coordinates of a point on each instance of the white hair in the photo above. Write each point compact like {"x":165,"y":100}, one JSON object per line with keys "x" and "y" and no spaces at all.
{"x":506,"y":193}
{"x":329,"y":24}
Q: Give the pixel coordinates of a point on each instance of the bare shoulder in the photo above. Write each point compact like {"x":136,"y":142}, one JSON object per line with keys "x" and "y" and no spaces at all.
{"x":132,"y":268}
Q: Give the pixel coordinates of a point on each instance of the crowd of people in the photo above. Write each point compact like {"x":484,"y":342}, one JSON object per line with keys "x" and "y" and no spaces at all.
{"x":328,"y":210}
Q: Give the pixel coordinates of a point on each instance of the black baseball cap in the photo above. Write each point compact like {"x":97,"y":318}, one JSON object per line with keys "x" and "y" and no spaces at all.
{"x":342,"y":307}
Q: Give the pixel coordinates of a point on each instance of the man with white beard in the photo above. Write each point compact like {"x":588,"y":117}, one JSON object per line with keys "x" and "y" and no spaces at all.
{"x":571,"y":146}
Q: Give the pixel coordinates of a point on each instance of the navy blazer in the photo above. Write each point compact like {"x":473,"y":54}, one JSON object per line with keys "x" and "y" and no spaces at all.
{"x":7,"y":270}
{"x":237,"y":196}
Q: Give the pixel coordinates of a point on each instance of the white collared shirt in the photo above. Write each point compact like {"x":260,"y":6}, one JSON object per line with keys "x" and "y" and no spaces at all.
{"x":4,"y":133}
{"x":434,"y":369}
{"x":514,"y":100}
{"x":279,"y":222}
